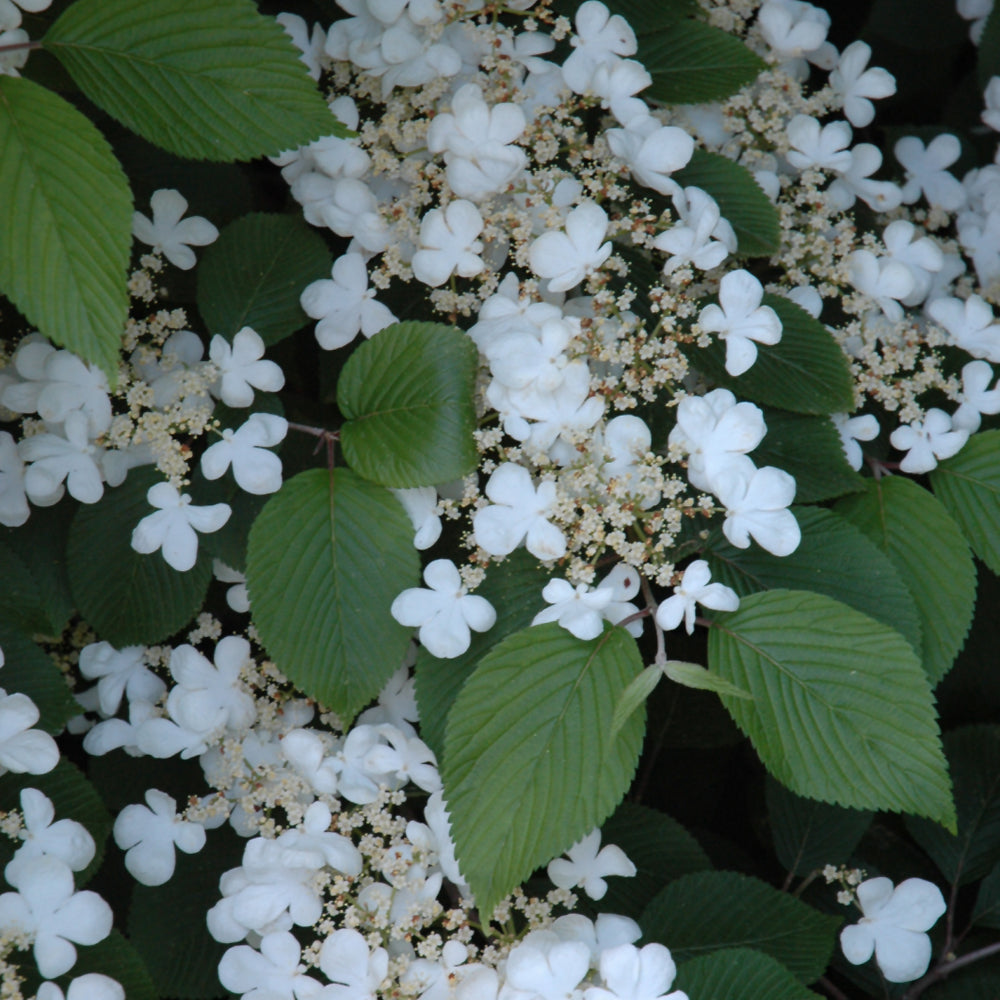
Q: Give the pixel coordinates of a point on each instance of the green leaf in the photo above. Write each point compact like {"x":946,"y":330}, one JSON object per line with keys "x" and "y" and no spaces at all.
{"x":692,"y":62}
{"x":805,"y":372}
{"x":325,"y":560}
{"x":987,"y":911}
{"x":809,"y":449}
{"x":694,"y":675}
{"x":969,"y":487}
{"x":651,"y":18}
{"x":931,"y":556}
{"x":530,"y":747}
{"x":741,"y":200}
{"x":254,"y":274}
{"x":973,"y":754}
{"x":127,"y":597}
{"x":842,"y":710}
{"x":834,"y":558}
{"x":20,"y":599}
{"x":514,"y":588}
{"x":808,"y":834}
{"x":32,"y":672}
{"x":659,"y":847}
{"x":739,"y":974}
{"x":205,"y":79}
{"x":707,"y":911}
{"x":116,"y":957}
{"x":66,"y":235}
{"x":634,"y":696}
{"x":407,"y":395}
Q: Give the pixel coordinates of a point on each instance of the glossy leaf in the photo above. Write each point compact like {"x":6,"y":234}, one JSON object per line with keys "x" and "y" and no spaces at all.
{"x":29,"y":669}
{"x":739,"y":974}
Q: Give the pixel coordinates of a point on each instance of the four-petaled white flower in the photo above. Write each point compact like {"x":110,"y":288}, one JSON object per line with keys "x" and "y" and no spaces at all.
{"x":255,"y":469}
{"x":23,"y":749}
{"x":168,"y":233}
{"x":172,"y":526}
{"x":274,"y":971}
{"x":652,"y":151}
{"x":65,"y":839}
{"x":242,"y":369}
{"x":518,"y":514}
{"x":588,"y":865}
{"x":347,"y":962}
{"x":566,"y":258}
{"x":977,"y":397}
{"x":855,"y":84}
{"x":740,"y":319}
{"x":851,"y":431}
{"x":90,"y":986}
{"x":578,"y":609}
{"x":756,"y":506}
{"x":894,"y":926}
{"x":631,"y":973}
{"x":827,"y":147}
{"x":971,"y":325}
{"x":149,"y":833}
{"x":693,"y":589}
{"x":449,"y":244}
{"x":927,"y":173}
{"x":445,"y":613}
{"x":928,"y":441}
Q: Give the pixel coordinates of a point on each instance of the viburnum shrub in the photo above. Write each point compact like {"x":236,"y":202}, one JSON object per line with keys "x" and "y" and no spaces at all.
{"x":532,"y":527}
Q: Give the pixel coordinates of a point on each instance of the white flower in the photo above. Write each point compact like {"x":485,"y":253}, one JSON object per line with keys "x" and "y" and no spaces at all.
{"x":172,"y":526}
{"x":420,"y":504}
{"x":756,"y":506}
{"x":851,"y":431}
{"x":121,"y":672}
{"x":631,"y":973}
{"x":928,"y":441}
{"x":445,"y":613}
{"x":65,"y":839}
{"x":255,"y":469}
{"x":652,"y":151}
{"x":976,"y":397}
{"x":168,"y":234}
{"x":241,"y":367}
{"x":883,"y":279}
{"x":14,"y":510}
{"x":827,"y":147}
{"x":693,"y":589}
{"x":588,"y":865}
{"x":346,"y":961}
{"x":616,"y":84}
{"x":449,"y":244}
{"x":991,"y":98}
{"x":702,"y":238}
{"x":344,"y":304}
{"x":148,"y":835}
{"x":13,"y":59}
{"x":566,"y":258}
{"x":740,"y":319}
{"x":920,"y":254}
{"x":578,"y":610}
{"x":970,"y":323}
{"x":854,"y":84}
{"x":600,"y":38}
{"x":310,"y":44}
{"x":90,"y":986}
{"x":10,"y":10}
{"x":274,"y":971}
{"x":926,"y":172}
{"x":236,"y":595}
{"x":546,"y":968}
{"x":856,"y":182}
{"x":23,"y":749}
{"x":518,"y":514}
{"x":893,"y":927}
{"x":54,"y":459}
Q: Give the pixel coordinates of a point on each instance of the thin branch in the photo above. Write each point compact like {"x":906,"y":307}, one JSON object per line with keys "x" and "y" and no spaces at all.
{"x":944,"y":969}
{"x":830,"y":990}
{"x":20,"y":47}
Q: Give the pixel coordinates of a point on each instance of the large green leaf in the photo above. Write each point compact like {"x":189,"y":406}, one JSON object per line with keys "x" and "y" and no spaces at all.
{"x":542,"y":751}
{"x":706,"y":911}
{"x":808,"y":834}
{"x":809,"y":449}
{"x":969,"y":486}
{"x":932,"y":557}
{"x":741,"y":200}
{"x":842,"y":710}
{"x":834,"y":558}
{"x":30,"y":670}
{"x":987,"y":911}
{"x":254,"y":274}
{"x":206,"y":79}
{"x":21,"y":605}
{"x":692,"y":62}
{"x":407,"y":395}
{"x":805,"y":372}
{"x":973,"y":754}
{"x":739,"y":974}
{"x":659,"y":847}
{"x":66,"y":233}
{"x":325,"y":560}
{"x":514,"y":588}
{"x":127,"y":597}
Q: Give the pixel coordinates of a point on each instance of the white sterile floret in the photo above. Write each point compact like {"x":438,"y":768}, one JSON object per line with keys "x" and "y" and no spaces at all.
{"x":255,"y":469}
{"x":927,"y":173}
{"x":928,"y":442}
{"x":882,"y":279}
{"x":348,"y":207}
{"x":344,"y":304}
{"x":796,"y":32}
{"x":57,"y":458}
{"x":518,"y":514}
{"x":149,"y":833}
{"x":449,"y":244}
{"x":856,"y":182}
{"x":168,"y":233}
{"x":813,"y":145}
{"x":757,"y":506}
{"x":47,"y":908}
{"x":173,"y":526}
{"x":601,"y":37}
{"x":627,"y":441}
{"x":976,"y":397}
{"x":894,"y":926}
{"x":623,"y":582}
{"x":236,"y":595}
{"x":65,"y":839}
{"x":10,"y":10}
{"x":616,"y":84}
{"x":543,"y":966}
{"x":22,"y":748}
{"x":476,"y":140}
{"x":976,"y":12}
{"x":631,"y":973}
{"x":309,"y":44}
{"x":273,"y":971}
{"x":979,"y":235}
{"x":991,"y":98}
{"x":579,"y":610}
{"x":14,"y":509}
{"x":90,"y":986}
{"x":970,"y":324}
{"x":445,"y":612}
{"x":702,"y":238}
{"x":566,"y":258}
{"x":693,"y":589}
{"x":119,"y":672}
{"x":740,"y":319}
{"x":589,"y":864}
{"x":242,"y":369}
{"x":855,"y":84}
{"x":420,"y":504}
{"x":851,"y":431}
{"x":64,"y":385}
{"x":653,"y":151}
{"x":920,"y":254}
{"x":346,"y":960}
{"x":14,"y":50}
